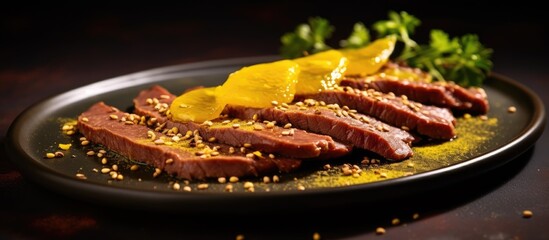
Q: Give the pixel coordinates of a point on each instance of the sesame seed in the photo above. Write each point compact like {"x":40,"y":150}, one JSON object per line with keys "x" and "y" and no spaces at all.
{"x":134,"y":167}
{"x":229,"y":187}
{"x":250,"y":155}
{"x":327,"y":166}
{"x":274,"y":103}
{"x":266,"y":179}
{"x":105,"y":170}
{"x":300,"y":187}
{"x":247,"y":145}
{"x":276,"y":179}
{"x":258,"y":127}
{"x":222,"y":180}
{"x":288,"y":125}
{"x":316,"y":236}
{"x":90,"y":153}
{"x":248,"y":185}
{"x":271,"y":156}
{"x":512,"y":109}
{"x":113,"y":117}
{"x":415,"y":216}
{"x":81,"y":176}
{"x":104,"y":161}
{"x":169,"y":161}
{"x":176,"y":186}
{"x":157,"y":172}
{"x":285,"y":133}
{"x":527,"y":214}
{"x":270,"y":125}
{"x":202,"y":186}
{"x":120,"y":177}
{"x":231,"y":150}
{"x":114,"y":167}
{"x":187,"y":189}
{"x":380,"y":230}
{"x":236,"y":125}
{"x":395,"y":221}
{"x":233,"y":179}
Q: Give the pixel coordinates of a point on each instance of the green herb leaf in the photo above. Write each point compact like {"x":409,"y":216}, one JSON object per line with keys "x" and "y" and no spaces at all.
{"x":307,"y":38}
{"x":402,"y":25}
{"x":360,"y":37}
{"x":462,"y":60}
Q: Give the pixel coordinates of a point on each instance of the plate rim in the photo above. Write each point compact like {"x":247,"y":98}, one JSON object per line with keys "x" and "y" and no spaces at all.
{"x":59,"y":182}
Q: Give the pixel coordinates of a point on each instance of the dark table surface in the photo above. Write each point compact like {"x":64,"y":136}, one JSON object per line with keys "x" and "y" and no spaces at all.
{"x":47,"y":51}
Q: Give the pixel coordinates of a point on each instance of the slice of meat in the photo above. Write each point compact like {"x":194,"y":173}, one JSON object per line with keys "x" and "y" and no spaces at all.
{"x":442,"y":94}
{"x":342,"y":124}
{"x":431,"y":121}
{"x":154,"y":102}
{"x":191,"y":158}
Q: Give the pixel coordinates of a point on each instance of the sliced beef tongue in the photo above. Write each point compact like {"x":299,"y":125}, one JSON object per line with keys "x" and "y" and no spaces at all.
{"x":342,"y":124}
{"x":268,"y":137}
{"x":430,"y":121}
{"x":443,"y":94}
{"x":186,"y":156}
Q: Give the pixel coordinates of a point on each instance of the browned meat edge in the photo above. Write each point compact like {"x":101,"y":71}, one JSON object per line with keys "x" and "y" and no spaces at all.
{"x":341,"y":123}
{"x":190,"y":160}
{"x":431,"y":121}
{"x":450,"y":95}
{"x":154,"y":101}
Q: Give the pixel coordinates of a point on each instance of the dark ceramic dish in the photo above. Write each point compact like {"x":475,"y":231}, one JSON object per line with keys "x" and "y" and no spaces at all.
{"x":37,"y":131}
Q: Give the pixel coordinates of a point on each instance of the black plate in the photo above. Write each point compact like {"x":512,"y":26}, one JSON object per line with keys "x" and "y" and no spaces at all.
{"x":485,"y":145}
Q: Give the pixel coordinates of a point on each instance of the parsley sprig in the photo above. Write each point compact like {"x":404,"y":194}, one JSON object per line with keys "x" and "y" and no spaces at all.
{"x":463,"y":60}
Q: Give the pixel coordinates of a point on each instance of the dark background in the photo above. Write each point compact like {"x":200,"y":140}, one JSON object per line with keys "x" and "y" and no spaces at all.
{"x":46,"y":50}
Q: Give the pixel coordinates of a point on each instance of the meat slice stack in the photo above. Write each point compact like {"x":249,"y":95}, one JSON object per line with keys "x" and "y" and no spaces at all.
{"x":187,"y":156}
{"x":268,"y":137}
{"x":443,"y":94}
{"x":382,"y":115}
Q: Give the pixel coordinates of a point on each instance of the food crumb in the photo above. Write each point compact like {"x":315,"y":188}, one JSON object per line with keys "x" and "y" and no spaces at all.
{"x":415,"y":216}
{"x":512,"y":109}
{"x":527,"y":214}
{"x":395,"y":221}
{"x":316,"y":236}
{"x":380,"y":231}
